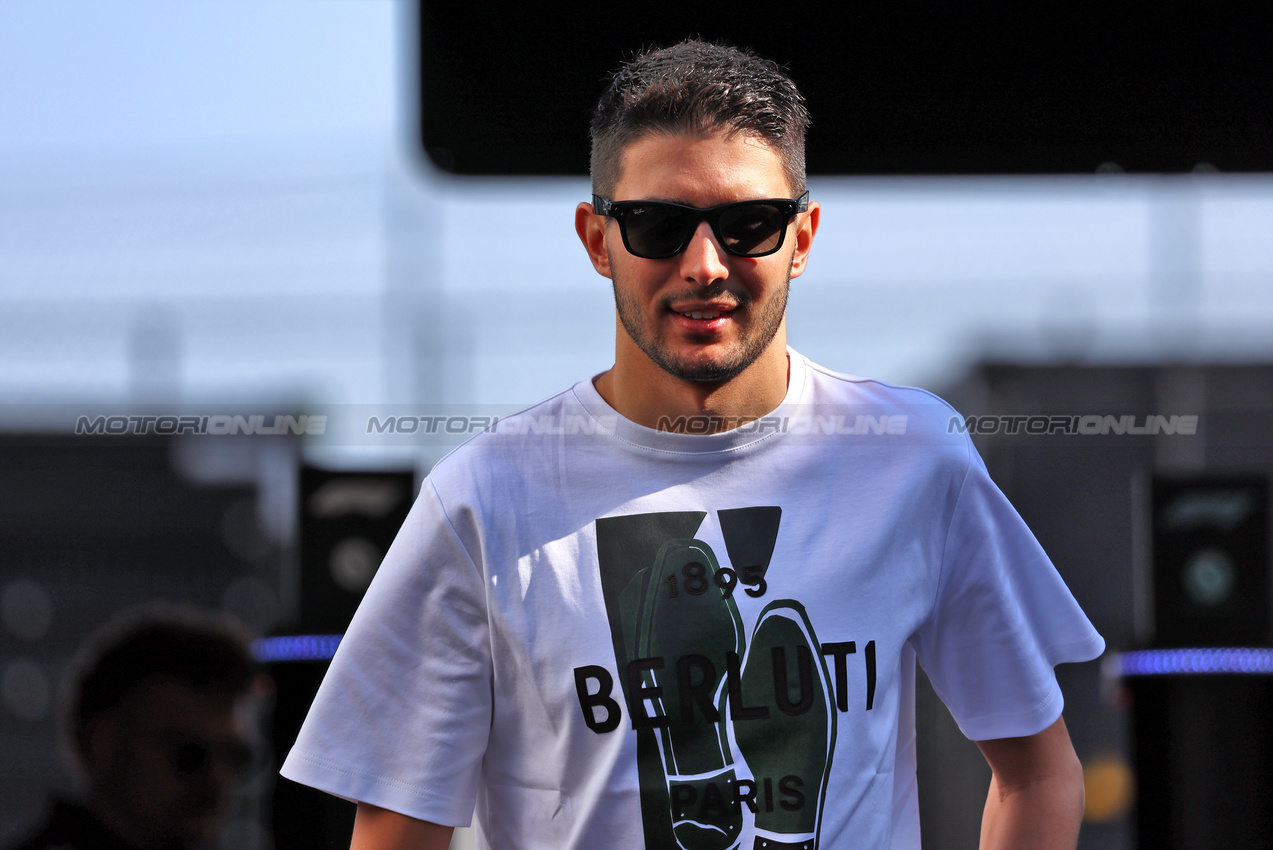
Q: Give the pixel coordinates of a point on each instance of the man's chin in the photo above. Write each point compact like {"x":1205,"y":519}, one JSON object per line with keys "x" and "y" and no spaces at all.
{"x":703,"y":370}
{"x":710,"y":365}
{"x":716,"y":375}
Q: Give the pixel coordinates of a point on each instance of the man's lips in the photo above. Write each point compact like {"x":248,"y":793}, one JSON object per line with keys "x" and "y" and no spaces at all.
{"x":706,"y":311}
{"x":702,"y":318}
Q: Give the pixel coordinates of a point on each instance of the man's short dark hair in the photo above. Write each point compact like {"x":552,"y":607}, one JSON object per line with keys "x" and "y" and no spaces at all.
{"x":200,"y":650}
{"x":698,"y":88}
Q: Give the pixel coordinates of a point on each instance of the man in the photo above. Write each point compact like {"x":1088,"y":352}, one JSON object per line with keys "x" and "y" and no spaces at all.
{"x":154,"y":722}
{"x":687,"y":614}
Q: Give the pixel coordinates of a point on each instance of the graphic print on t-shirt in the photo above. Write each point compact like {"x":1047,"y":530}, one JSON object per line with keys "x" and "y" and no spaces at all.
{"x":699,"y":690}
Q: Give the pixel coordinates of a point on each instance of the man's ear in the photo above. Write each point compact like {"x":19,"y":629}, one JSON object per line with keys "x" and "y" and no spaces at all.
{"x":592,"y":233}
{"x":806,"y":229}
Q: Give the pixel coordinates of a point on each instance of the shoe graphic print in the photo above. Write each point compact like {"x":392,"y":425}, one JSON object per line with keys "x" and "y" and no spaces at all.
{"x":679,"y":615}
{"x":789,"y":748}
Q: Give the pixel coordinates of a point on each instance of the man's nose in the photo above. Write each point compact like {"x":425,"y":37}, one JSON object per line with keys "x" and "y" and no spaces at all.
{"x":703,"y":261}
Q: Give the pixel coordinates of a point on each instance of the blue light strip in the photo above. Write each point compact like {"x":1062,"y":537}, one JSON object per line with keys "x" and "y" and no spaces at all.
{"x":295,"y":648}
{"x":1175,"y":662}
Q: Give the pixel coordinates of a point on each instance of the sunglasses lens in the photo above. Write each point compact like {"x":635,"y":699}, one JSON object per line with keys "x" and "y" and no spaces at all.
{"x":656,"y":231}
{"x":752,"y":229}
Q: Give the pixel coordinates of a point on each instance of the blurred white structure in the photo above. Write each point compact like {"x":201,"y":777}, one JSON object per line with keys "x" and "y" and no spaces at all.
{"x":204,"y":275}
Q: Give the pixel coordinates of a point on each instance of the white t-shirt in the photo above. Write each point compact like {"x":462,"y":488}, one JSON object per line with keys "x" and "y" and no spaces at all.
{"x":603,"y":635}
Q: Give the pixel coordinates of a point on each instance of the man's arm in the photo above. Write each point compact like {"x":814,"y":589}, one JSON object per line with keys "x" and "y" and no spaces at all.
{"x":1036,"y":792}
{"x":381,"y":829}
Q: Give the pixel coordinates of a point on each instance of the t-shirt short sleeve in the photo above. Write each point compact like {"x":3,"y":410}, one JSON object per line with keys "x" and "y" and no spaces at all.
{"x":1001,"y":621}
{"x":402,"y":718}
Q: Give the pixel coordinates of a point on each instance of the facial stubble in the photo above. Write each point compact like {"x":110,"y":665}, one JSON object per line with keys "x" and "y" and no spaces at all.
{"x":751,"y":344}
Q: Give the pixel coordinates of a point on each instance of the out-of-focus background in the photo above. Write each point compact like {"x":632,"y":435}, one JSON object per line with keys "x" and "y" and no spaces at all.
{"x":223,"y":213}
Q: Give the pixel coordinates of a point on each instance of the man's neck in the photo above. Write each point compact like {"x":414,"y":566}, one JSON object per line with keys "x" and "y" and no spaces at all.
{"x":646,"y":394}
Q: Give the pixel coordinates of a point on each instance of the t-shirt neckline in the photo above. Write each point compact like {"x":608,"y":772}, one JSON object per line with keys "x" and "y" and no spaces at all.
{"x":609,"y":421}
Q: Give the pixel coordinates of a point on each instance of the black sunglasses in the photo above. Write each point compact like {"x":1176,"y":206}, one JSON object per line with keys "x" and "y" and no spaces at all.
{"x":656,"y":230}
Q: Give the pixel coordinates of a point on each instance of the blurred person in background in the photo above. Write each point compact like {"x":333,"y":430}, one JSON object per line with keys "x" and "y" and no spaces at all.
{"x":155,"y":721}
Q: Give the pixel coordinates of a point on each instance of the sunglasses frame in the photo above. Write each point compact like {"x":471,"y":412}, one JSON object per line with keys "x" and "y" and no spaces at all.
{"x":619,"y":209}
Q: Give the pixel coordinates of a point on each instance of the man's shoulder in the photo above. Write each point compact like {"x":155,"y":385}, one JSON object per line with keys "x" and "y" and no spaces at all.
{"x":924,"y":413}
{"x":523,"y":436}
{"x":870,"y":390}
